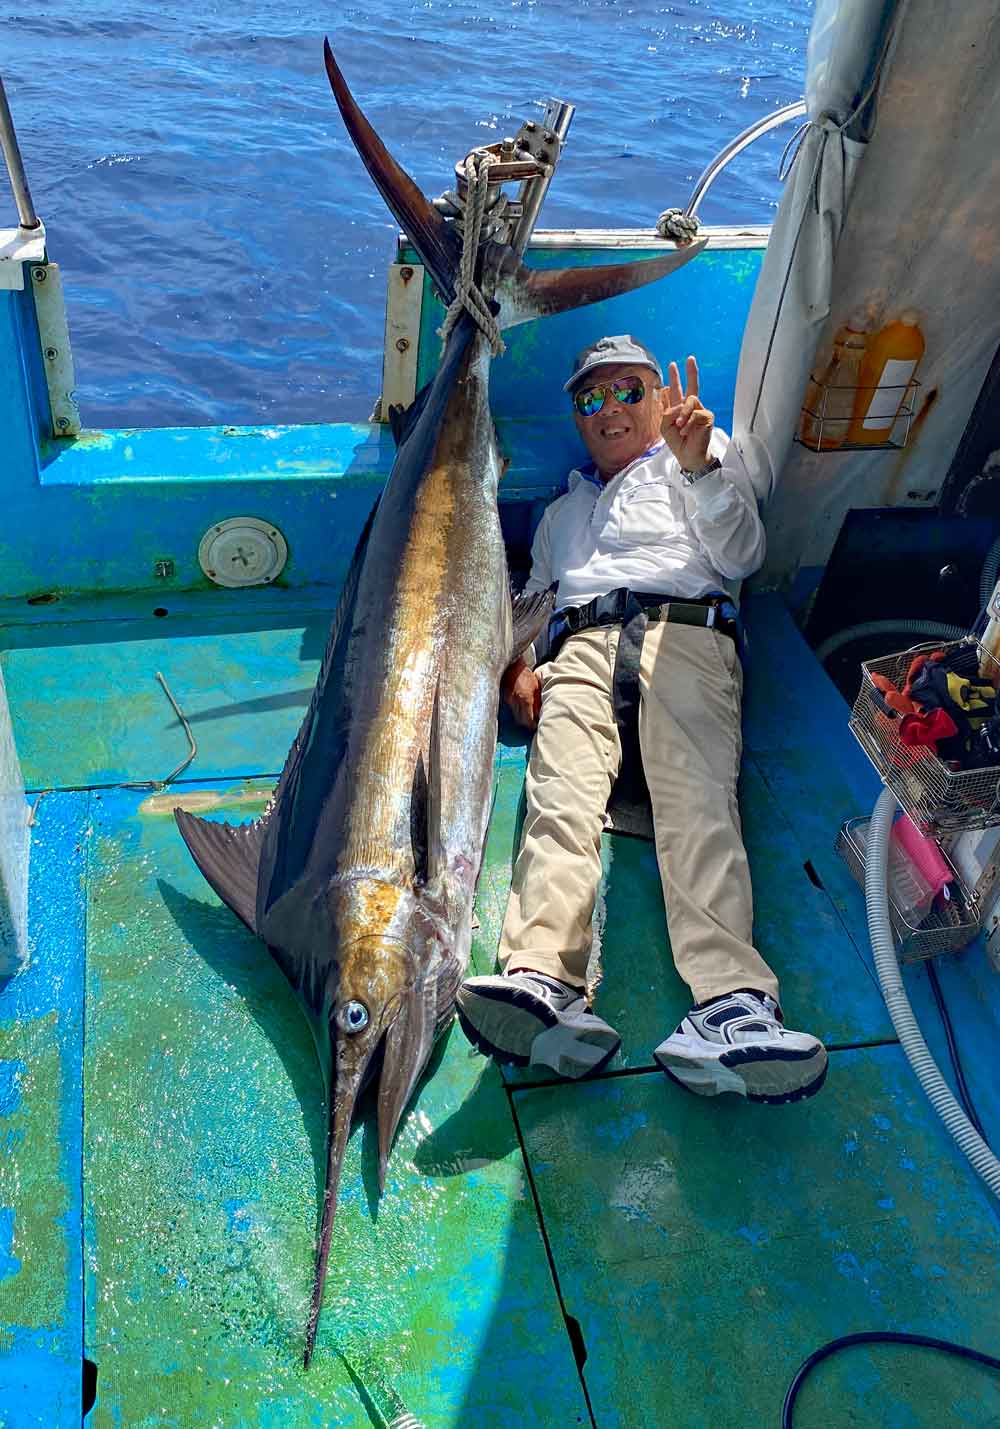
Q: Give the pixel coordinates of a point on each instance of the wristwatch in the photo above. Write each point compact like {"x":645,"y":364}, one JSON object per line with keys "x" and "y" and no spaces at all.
{"x":690,"y":477}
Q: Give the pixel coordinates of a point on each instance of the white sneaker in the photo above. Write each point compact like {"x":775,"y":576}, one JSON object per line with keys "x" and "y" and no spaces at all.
{"x":530,"y":1019}
{"x":737,"y":1043}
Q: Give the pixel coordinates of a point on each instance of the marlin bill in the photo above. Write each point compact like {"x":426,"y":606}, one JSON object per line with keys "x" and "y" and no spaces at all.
{"x":361,"y":875}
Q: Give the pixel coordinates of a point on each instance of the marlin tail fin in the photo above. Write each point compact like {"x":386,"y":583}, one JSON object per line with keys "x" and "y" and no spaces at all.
{"x":439,"y":248}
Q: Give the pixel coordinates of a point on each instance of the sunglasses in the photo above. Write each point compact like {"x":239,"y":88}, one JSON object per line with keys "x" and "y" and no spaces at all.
{"x":629,"y":390}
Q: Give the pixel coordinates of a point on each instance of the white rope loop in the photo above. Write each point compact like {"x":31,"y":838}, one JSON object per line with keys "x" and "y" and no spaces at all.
{"x":468,"y":297}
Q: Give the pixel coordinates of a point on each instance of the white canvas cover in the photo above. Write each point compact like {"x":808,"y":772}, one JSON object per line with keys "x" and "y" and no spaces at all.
{"x":847,"y":46}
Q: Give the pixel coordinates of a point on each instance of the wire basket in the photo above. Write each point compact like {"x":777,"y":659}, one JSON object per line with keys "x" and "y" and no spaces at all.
{"x":828,"y":415}
{"x":947,"y":927}
{"x":935,"y":796}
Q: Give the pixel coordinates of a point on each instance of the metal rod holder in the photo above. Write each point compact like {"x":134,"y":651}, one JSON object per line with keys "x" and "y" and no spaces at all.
{"x":27,"y":217}
{"x":556,"y":120}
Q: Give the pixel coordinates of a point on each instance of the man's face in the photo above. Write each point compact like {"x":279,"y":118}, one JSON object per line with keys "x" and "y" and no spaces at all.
{"x":620,"y":432}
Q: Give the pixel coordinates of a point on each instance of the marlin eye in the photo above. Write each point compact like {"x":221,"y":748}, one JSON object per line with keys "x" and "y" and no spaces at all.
{"x":353,"y":1017}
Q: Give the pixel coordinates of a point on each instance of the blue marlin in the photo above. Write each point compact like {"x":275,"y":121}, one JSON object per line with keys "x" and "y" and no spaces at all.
{"x":361,"y":875}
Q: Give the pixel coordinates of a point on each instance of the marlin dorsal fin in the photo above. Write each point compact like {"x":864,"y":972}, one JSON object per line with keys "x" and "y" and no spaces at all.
{"x":228,"y":856}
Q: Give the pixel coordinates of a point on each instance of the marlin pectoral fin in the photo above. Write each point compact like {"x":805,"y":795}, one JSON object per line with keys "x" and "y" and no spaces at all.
{"x":528,"y":293}
{"x":530,"y":613}
{"x":408,"y":1046}
{"x":436,"y":856}
{"x":229,"y":857}
{"x":438,"y":247}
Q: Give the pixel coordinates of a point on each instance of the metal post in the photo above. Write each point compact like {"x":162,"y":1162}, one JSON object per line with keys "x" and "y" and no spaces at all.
{"x":556,"y":120}
{"x":27,"y":217}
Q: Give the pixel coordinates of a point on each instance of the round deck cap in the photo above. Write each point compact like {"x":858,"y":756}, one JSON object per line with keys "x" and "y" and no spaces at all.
{"x":243,"y":551}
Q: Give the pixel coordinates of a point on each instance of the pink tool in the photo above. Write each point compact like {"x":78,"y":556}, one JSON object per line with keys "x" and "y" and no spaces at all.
{"x":924,"y":853}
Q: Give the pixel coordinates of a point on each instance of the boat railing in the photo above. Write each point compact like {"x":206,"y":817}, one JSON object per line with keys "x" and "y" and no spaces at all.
{"x":737,"y":145}
{"x":26,"y":215}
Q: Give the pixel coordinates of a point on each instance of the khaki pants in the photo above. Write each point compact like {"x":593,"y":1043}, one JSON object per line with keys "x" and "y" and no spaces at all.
{"x":690,"y":683}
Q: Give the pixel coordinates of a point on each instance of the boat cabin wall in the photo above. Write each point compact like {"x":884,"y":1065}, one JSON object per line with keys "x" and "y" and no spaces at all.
{"x":107,"y":512}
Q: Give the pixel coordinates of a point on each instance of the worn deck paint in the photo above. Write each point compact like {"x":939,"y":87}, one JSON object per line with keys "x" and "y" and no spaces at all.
{"x":41,"y":1105}
{"x":707,"y":1248}
{"x":704,"y":1247}
{"x":204,"y":1151}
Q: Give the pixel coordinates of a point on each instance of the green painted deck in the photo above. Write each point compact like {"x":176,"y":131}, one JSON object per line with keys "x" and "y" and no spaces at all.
{"x":612,"y":1253}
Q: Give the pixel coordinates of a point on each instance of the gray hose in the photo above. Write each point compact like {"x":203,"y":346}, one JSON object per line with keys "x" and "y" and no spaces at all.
{"x":991,"y":569}
{"x":929,"y":629}
{"x":980,"y":1157}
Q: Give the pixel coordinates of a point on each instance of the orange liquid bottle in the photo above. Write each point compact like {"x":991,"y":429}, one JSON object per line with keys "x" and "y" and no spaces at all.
{"x":828,"y":407}
{"x":883,"y":381}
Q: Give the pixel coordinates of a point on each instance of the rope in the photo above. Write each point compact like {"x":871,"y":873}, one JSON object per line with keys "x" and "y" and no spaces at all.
{"x":676,"y":224}
{"x":468,"y":296}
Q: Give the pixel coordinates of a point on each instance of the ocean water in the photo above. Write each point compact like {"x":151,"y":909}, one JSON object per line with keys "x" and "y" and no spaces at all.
{"x":223,"y":249}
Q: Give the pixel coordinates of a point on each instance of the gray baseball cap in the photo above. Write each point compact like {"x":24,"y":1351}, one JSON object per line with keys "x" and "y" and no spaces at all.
{"x":612,"y":349}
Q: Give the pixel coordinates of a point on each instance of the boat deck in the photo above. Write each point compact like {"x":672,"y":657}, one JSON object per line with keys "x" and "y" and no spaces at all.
{"x":612,"y":1253}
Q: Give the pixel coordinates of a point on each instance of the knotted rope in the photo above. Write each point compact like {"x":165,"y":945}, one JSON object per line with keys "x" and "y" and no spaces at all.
{"x":468,"y":296}
{"x":676,"y":224}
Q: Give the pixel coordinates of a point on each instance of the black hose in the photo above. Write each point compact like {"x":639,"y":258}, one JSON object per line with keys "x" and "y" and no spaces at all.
{"x":965,"y":1096}
{"x":874,"y":1337}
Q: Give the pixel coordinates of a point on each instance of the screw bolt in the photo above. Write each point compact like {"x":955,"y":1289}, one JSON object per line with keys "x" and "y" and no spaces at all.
{"x":51,"y":353}
{"x":62,"y":423}
{"x":39,"y":275}
{"x":402,"y":344}
{"x":406,"y":274}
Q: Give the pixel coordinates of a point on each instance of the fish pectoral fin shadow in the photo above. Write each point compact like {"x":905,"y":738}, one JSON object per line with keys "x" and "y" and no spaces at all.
{"x":530,"y":612}
{"x":229,"y":858}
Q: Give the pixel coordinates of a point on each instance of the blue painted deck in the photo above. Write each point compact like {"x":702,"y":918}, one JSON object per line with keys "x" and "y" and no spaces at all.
{"x":703,"y":1247}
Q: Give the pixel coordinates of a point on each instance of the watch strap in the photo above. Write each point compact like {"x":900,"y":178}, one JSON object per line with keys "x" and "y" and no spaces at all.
{"x":690,"y":477}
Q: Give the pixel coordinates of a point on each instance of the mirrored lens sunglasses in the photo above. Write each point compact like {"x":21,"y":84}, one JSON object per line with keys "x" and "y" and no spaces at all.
{"x":590,"y":401}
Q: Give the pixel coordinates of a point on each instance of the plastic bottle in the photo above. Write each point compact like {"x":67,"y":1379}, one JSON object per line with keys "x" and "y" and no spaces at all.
{"x":828,"y":408}
{"x":888,"y":366}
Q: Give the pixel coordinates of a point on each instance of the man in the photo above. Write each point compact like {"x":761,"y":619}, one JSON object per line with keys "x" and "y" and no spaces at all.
{"x":666,"y":510}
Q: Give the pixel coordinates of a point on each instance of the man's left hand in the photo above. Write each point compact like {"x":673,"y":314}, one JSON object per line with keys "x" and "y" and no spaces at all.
{"x":687,"y":425}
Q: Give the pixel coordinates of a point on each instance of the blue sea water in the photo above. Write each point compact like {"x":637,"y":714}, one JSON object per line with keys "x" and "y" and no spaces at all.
{"x":224,"y":251}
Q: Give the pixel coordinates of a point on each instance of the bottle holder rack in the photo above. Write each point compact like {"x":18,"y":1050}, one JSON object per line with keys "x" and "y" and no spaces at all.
{"x":817,"y":426}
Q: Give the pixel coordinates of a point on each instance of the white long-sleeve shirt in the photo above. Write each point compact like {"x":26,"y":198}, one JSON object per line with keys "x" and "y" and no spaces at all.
{"x":644,"y":529}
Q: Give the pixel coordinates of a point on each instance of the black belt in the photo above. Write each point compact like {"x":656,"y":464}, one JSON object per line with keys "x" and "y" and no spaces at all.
{"x":714,"y":611}
{"x":633,"y":610}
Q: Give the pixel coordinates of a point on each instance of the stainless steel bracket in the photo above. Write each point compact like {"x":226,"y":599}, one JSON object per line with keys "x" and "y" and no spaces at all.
{"x":53,"y":332}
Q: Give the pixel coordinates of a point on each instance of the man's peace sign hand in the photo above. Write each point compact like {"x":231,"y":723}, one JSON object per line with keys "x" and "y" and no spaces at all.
{"x":687,"y":425}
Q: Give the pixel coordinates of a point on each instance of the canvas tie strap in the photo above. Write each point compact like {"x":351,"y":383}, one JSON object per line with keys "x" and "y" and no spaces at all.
{"x":468,"y":296}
